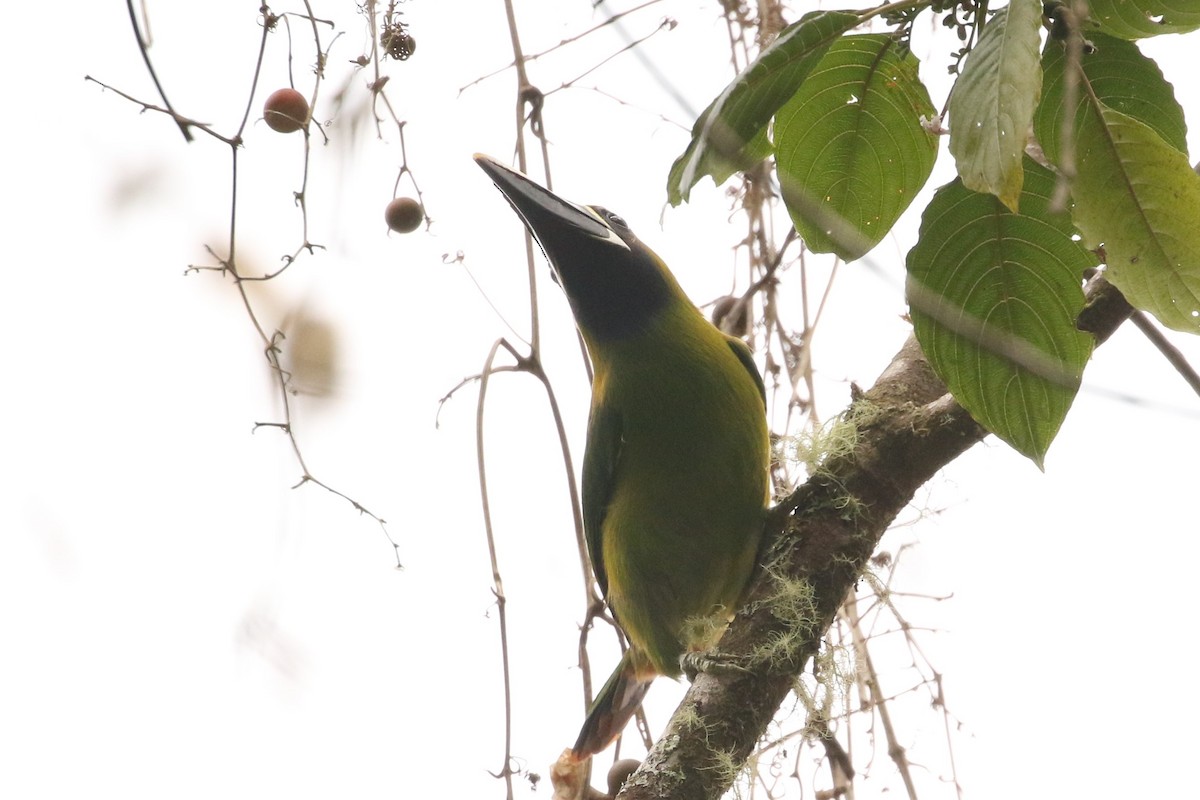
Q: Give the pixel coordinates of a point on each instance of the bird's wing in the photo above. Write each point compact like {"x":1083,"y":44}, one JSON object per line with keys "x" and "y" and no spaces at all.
{"x":599,"y":471}
{"x":742,"y":351}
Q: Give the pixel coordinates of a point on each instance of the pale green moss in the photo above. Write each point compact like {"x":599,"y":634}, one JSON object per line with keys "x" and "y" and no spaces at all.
{"x":838,"y":437}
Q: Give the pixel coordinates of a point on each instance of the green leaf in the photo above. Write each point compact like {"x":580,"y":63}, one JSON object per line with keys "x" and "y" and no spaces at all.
{"x":850,"y":148}
{"x":729,"y":135}
{"x":993,"y":101}
{"x":1135,"y":192}
{"x":1121,"y":78}
{"x":993,"y":297}
{"x":1136,"y":19}
{"x":1138,"y":197}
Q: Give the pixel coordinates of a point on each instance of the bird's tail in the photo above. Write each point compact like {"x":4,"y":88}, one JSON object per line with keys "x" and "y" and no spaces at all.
{"x":612,"y":708}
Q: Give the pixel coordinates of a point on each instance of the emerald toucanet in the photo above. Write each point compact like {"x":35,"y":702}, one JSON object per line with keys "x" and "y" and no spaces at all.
{"x":675,"y":471}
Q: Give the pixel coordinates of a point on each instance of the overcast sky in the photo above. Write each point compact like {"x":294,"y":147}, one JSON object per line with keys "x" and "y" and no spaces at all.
{"x":176,"y":621}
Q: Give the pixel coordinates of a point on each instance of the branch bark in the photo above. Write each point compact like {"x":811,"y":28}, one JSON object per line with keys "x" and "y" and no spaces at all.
{"x":905,"y":429}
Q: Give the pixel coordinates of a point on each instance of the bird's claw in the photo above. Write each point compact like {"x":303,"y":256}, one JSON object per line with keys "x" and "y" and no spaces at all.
{"x":713,"y":661}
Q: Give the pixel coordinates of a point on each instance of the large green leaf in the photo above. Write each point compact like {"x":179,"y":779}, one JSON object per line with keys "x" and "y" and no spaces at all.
{"x":993,"y":100}
{"x":1135,"y":192}
{"x":850,"y":147}
{"x":993,"y":297}
{"x":728,"y":136}
{"x":1138,"y":197}
{"x":1136,"y":19}
{"x":1121,"y":78}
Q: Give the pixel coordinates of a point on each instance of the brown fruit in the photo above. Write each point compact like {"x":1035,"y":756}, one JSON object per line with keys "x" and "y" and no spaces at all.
{"x":397,"y":41}
{"x":286,"y":111}
{"x":619,"y":772}
{"x":724,"y":318}
{"x":404,"y":215}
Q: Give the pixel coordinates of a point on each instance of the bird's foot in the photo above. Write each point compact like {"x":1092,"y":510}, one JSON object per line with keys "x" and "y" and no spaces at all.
{"x":697,"y":661}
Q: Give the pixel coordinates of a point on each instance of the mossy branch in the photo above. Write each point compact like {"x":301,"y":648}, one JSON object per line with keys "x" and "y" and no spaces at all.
{"x":915,"y":428}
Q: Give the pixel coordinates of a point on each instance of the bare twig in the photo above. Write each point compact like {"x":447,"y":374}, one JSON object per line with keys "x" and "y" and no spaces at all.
{"x":1170,"y":352}
{"x":228,"y":264}
{"x":665,"y":25}
{"x":506,"y":771}
{"x":563,"y":43}
{"x":144,"y":49}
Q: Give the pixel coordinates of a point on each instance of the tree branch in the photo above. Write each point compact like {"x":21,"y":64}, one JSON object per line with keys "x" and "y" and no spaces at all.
{"x":903,"y":430}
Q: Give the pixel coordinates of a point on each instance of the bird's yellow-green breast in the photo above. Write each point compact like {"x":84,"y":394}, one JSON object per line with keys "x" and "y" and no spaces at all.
{"x":676,"y":520}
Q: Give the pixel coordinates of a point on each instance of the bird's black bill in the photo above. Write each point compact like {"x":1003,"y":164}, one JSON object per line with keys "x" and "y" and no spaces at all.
{"x":544,"y":212}
{"x":614,"y":285}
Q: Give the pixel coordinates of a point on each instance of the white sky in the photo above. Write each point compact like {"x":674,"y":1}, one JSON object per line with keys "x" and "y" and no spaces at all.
{"x":174,"y":621}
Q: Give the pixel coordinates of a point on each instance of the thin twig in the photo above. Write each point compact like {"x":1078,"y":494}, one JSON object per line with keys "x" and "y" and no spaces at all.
{"x":228,"y":264}
{"x":1174,"y":356}
{"x":666,"y":24}
{"x":560,"y":45}
{"x":182,"y":122}
{"x":506,"y":771}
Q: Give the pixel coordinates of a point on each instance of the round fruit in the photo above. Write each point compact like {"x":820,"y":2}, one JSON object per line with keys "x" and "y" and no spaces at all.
{"x":723,"y":315}
{"x":286,"y":111}
{"x":404,"y":215}
{"x":619,"y":772}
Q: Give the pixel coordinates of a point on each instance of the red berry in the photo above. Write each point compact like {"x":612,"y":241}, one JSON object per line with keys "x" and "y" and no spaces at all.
{"x":286,"y":111}
{"x":404,"y":215}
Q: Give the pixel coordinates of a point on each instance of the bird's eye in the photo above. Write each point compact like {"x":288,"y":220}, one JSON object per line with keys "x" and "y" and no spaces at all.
{"x":618,"y":220}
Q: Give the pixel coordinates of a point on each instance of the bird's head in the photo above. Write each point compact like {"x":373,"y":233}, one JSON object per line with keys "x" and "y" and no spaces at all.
{"x":615,"y":284}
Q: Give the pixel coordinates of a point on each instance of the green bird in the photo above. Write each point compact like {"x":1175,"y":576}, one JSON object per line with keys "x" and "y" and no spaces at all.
{"x":675,"y":480}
